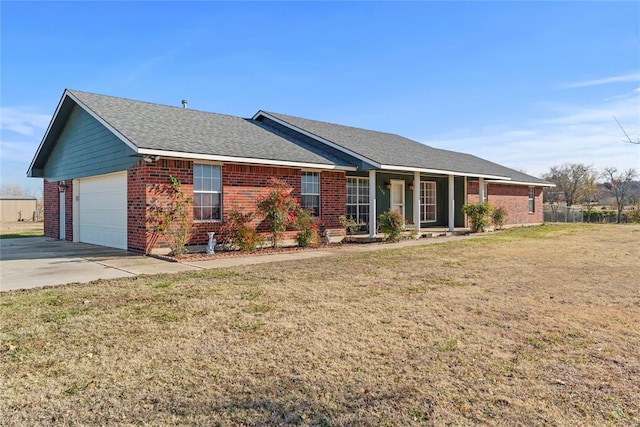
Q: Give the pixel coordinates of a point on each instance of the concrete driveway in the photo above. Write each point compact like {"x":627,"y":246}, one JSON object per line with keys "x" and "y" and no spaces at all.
{"x":39,"y":261}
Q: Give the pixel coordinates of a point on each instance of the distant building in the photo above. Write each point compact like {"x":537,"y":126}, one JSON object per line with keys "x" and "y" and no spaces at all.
{"x":17,"y":208}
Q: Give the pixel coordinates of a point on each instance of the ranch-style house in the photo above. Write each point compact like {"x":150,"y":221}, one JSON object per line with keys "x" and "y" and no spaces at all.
{"x":104,"y":158}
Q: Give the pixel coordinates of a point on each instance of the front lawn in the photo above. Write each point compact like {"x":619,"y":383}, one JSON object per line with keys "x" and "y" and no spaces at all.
{"x":527,"y":327}
{"x":18,"y":229}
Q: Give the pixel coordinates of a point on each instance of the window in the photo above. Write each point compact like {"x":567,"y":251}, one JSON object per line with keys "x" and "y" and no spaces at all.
{"x":427,"y":201}
{"x":207,"y":195}
{"x":532,"y":199}
{"x":310,"y":191}
{"x":358,"y":199}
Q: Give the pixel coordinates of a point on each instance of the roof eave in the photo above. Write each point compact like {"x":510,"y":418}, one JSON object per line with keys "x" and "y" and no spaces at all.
{"x":528,"y":183}
{"x":235,"y":159}
{"x":443,"y":172}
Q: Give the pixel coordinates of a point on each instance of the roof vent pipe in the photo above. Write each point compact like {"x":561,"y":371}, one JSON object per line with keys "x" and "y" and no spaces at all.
{"x":184,"y":103}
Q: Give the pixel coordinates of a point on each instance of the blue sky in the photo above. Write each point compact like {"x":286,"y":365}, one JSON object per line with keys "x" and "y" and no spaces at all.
{"x":525,"y":84}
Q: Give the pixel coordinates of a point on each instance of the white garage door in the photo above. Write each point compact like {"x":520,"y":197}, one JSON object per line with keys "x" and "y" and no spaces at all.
{"x":103,"y":210}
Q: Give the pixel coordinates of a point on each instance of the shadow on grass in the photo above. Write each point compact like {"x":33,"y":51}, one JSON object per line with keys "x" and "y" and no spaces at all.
{"x":19,"y":235}
{"x":311,"y":407}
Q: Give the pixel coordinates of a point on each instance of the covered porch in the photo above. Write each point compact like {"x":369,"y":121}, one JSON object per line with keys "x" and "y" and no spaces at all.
{"x":430,"y":202}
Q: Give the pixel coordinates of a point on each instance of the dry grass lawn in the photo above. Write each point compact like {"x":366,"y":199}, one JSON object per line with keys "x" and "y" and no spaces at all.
{"x":527,"y":327}
{"x":15,"y":229}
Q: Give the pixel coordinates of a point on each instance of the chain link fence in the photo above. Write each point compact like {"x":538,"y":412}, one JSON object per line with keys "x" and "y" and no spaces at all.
{"x":563,"y":213}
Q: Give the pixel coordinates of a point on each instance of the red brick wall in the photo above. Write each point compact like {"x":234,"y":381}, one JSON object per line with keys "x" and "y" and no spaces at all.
{"x":513,"y":198}
{"x":333,"y":198}
{"x":146,"y":182}
{"x":51,"y":211}
{"x":51,"y":196}
{"x":136,"y":208}
{"x":473,"y":192}
{"x":242,"y":186}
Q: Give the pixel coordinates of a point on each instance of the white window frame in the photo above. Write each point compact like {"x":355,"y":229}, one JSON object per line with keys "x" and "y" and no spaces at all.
{"x":423,"y":201}
{"x":213,"y":191}
{"x":532,"y":199}
{"x":360,"y":183}
{"x":303,"y":193}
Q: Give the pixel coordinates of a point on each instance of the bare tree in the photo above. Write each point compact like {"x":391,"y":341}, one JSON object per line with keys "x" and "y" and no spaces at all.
{"x":591,"y":194}
{"x":570,"y":179}
{"x":620,"y":184}
{"x":629,"y":140}
{"x":13,"y":190}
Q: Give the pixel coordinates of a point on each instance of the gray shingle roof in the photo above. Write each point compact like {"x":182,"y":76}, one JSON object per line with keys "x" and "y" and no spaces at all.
{"x":395,"y":150}
{"x":161,"y":127}
{"x":167,"y":128}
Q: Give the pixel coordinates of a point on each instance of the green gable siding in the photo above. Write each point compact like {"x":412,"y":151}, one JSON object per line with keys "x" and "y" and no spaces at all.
{"x":85,"y":148}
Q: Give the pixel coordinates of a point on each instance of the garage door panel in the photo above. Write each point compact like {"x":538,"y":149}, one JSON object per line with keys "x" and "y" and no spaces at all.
{"x":103,"y":210}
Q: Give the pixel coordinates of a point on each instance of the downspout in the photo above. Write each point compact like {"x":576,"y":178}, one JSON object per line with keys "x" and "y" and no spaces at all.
{"x":416,"y":203}
{"x":452,"y":205}
{"x":372,"y":204}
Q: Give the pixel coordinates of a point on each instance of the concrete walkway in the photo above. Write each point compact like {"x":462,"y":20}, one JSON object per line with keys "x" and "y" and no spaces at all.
{"x":38,"y":261}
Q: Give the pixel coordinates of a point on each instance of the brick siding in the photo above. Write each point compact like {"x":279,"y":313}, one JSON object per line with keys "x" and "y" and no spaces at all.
{"x":513,"y":198}
{"x":242,"y":186}
{"x":51,"y":212}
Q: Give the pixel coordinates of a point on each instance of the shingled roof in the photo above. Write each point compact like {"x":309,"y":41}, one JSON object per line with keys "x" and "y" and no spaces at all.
{"x":160,"y":129}
{"x":149,"y":127}
{"x":391,"y":150}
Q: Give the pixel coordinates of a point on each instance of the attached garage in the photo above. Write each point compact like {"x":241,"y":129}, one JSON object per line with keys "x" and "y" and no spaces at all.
{"x":102,"y":210}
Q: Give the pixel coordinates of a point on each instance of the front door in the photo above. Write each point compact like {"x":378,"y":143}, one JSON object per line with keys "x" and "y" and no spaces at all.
{"x":397,"y":196}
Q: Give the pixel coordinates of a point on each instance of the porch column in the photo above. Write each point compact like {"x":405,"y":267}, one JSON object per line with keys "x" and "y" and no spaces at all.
{"x":372,"y":204}
{"x":452,"y":205}
{"x":416,"y":201}
{"x":481,"y":193}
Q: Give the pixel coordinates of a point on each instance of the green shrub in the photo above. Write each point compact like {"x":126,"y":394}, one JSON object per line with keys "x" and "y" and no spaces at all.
{"x":350,"y":225}
{"x":634,"y":214}
{"x":498,"y":217}
{"x":237,"y":231}
{"x":478,"y":214}
{"x":278,"y":208}
{"x":307,"y":230}
{"x":391,"y":223}
{"x":169,"y":215}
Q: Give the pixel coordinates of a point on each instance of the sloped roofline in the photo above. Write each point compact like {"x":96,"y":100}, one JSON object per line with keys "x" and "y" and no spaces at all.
{"x":68,"y":94}
{"x":63,"y":109}
{"x":262,"y":113}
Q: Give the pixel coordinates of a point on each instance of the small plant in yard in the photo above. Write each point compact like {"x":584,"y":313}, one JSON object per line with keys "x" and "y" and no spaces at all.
{"x":391,"y":224}
{"x":169,"y":216}
{"x":350,"y":225}
{"x":498,"y":217}
{"x":278,"y":208}
{"x":478,"y":214}
{"x":307,"y":230}
{"x":237,"y":231}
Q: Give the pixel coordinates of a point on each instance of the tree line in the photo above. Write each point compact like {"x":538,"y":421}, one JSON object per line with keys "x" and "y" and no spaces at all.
{"x":577,"y":183}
